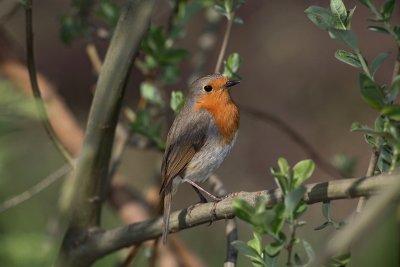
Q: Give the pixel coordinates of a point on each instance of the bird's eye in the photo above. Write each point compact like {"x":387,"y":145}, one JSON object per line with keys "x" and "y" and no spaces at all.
{"x":208,"y":88}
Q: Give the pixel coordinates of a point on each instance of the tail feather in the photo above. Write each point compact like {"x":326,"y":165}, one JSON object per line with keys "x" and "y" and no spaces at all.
{"x":167,"y":211}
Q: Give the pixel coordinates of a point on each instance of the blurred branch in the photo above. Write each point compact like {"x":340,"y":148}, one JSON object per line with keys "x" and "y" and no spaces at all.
{"x":361,"y":224}
{"x":8,"y":9}
{"x":94,"y":57}
{"x":92,"y":166}
{"x":35,"y":87}
{"x":224,"y":43}
{"x":36,"y":189}
{"x":101,"y":243}
{"x":294,"y":136}
{"x":230,"y":228}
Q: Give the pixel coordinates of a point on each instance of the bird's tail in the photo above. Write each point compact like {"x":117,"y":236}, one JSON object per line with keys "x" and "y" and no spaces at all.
{"x":167,"y":210}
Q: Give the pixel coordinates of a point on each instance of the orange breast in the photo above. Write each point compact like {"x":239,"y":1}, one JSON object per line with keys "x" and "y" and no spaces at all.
{"x":224,"y":111}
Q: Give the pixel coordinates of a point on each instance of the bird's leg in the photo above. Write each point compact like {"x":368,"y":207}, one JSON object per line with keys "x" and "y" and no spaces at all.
{"x":202,"y":198}
{"x":215,"y":198}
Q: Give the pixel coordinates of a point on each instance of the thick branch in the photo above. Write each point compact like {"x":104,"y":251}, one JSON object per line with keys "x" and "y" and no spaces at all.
{"x":103,"y":243}
{"x":92,"y":166}
{"x":93,"y":161}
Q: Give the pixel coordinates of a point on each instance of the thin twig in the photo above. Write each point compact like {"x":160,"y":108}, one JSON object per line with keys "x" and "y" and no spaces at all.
{"x":224,"y":43}
{"x":217,"y":187}
{"x":289,"y":248}
{"x":102,"y":243}
{"x":294,"y":136}
{"x":35,"y":87}
{"x":34,"y":190}
{"x":370,"y":172}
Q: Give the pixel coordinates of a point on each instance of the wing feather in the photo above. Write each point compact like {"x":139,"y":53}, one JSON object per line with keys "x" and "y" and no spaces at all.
{"x":185,"y":138}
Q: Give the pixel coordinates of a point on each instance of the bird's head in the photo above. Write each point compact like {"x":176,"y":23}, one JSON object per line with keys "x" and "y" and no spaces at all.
{"x":211,"y":86}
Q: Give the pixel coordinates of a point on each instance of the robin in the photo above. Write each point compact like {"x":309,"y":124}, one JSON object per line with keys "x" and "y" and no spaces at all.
{"x":200,"y":138}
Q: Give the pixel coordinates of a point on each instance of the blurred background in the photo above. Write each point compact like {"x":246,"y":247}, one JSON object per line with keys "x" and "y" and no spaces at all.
{"x":288,"y":69}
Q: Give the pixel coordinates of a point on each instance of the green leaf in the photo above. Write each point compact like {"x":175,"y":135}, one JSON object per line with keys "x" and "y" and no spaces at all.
{"x":298,"y":260}
{"x":144,"y":126}
{"x":392,"y":111}
{"x":322,"y":226}
{"x":271,"y":261}
{"x":387,"y":9}
{"x":249,"y":252}
{"x":346,"y":36}
{"x":345,"y":164}
{"x":72,"y":28}
{"x":281,"y":177}
{"x":256,"y":243}
{"x":292,"y":199}
{"x":339,"y":13}
{"x":275,"y":247}
{"x":358,"y":127}
{"x":340,"y":261}
{"x":394,"y":89}
{"x":309,"y":250}
{"x":378,"y":60}
{"x":243,"y":210}
{"x":150,"y":92}
{"x":177,"y":101}
{"x":231,"y":66}
{"x":350,"y":14}
{"x":109,"y":12}
{"x":300,"y":209}
{"x":238,"y":20}
{"x":302,"y":171}
{"x":173,"y":56}
{"x":348,"y":58}
{"x":371,"y":93}
{"x":283,"y":166}
{"x":321,"y":17}
{"x":378,"y":29}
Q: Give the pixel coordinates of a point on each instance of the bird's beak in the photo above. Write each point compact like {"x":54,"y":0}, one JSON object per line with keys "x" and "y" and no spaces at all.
{"x":231,"y":83}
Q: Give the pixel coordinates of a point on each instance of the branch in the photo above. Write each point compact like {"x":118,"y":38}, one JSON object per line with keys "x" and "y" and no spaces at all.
{"x":104,"y":242}
{"x":294,"y":136}
{"x":34,"y":190}
{"x":363,"y":222}
{"x":224,"y":43}
{"x":230,"y":228}
{"x":92,"y":166}
{"x":35,"y":87}
{"x":370,"y":172}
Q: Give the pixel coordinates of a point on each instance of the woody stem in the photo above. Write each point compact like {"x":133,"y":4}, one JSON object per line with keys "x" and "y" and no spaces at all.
{"x":224,"y":43}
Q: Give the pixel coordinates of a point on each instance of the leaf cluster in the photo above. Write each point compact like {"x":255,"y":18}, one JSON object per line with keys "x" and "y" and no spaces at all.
{"x":337,"y":21}
{"x":271,"y":221}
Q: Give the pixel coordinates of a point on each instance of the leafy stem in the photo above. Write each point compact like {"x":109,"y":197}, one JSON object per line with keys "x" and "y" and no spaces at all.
{"x":289,"y":248}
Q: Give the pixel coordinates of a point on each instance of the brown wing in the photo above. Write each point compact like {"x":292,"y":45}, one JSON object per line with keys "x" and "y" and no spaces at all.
{"x":186,"y":136}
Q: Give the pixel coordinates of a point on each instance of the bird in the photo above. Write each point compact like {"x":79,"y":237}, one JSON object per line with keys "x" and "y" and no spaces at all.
{"x":200,"y":138}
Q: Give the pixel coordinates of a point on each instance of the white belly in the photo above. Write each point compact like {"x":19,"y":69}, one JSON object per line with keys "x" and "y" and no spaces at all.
{"x":207,"y":159}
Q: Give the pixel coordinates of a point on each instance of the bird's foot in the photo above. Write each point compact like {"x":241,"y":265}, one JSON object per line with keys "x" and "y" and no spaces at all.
{"x":213,"y":213}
